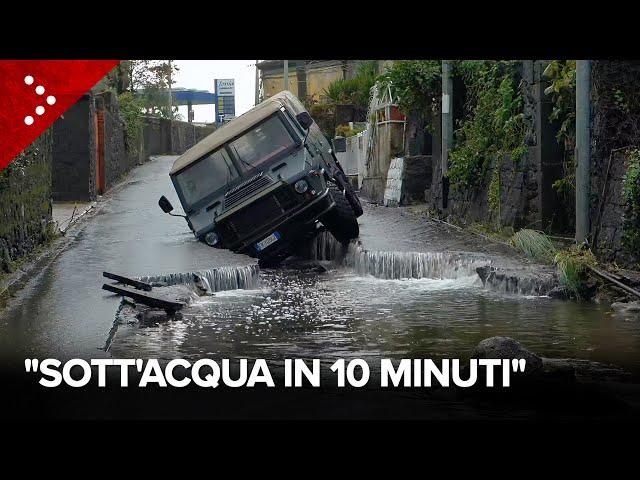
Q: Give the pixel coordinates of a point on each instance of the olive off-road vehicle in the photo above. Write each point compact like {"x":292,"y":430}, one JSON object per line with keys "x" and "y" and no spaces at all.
{"x":265,"y":183}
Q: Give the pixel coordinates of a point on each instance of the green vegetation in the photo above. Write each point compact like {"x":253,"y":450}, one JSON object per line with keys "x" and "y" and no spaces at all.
{"x":494,"y":194}
{"x":571,"y":263}
{"x":153,"y":77}
{"x":535,"y":245}
{"x":631,"y":198}
{"x":356,"y":90}
{"x":415,"y":84}
{"x":131,"y":112}
{"x":572,"y":269}
{"x":347,"y":131}
{"x":25,"y":201}
{"x":562,"y":75}
{"x":494,"y":125}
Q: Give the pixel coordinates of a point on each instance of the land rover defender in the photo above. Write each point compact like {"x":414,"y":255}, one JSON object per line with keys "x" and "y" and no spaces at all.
{"x":265,"y":183}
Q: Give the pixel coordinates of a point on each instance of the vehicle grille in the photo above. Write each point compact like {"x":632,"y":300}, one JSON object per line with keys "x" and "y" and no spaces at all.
{"x":246,"y":189}
{"x":261,"y":213}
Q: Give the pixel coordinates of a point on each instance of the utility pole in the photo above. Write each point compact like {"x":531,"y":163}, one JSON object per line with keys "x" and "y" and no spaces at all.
{"x":583,"y":148}
{"x":170,"y":93}
{"x":447,"y":115}
{"x":447,"y":128}
{"x":257,"y":98}
{"x":285,"y":75}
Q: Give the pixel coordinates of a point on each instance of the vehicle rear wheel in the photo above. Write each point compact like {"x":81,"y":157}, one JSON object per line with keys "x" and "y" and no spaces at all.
{"x":341,"y":221}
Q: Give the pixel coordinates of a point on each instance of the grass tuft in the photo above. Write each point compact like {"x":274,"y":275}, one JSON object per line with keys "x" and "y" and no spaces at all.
{"x":572,"y":268}
{"x":535,"y":245}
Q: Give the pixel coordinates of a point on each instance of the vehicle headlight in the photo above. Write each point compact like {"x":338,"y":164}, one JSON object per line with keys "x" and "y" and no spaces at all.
{"x":211,"y":239}
{"x":301,"y":186}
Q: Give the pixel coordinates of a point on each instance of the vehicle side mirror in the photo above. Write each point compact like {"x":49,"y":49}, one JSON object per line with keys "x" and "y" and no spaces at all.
{"x":304,"y":119}
{"x":165,"y":204}
{"x":339,"y":144}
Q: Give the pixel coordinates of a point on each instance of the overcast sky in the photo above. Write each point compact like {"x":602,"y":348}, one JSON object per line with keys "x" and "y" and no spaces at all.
{"x":200,"y":74}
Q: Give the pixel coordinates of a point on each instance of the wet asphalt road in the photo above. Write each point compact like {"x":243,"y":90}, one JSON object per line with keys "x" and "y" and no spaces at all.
{"x":63,"y":312}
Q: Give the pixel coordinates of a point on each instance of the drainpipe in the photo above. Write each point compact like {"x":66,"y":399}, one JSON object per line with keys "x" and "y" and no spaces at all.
{"x":583,"y":147}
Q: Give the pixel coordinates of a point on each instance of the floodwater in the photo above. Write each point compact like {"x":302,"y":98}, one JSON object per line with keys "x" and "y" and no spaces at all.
{"x":409,"y":290}
{"x":343,"y":314}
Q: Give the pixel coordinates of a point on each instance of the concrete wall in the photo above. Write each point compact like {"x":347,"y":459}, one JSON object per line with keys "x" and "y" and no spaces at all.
{"x":386,"y":142}
{"x":318,"y":77}
{"x":74,"y":152}
{"x":185,"y":135}
{"x":161,"y":136}
{"x":156,"y":135}
{"x":25,"y":202}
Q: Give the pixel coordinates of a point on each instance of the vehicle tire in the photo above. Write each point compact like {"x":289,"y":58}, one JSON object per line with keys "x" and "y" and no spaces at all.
{"x":349,"y":192}
{"x":354,"y":200}
{"x":341,"y":221}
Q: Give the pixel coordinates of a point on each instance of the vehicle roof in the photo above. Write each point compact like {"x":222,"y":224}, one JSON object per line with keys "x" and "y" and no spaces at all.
{"x":237,"y":126}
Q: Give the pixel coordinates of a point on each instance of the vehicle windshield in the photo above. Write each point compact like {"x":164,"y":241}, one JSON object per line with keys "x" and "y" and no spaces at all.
{"x":206,"y":176}
{"x":263,"y":143}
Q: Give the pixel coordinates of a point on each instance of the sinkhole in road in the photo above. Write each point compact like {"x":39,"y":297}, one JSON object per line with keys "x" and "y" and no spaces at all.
{"x":353,"y":303}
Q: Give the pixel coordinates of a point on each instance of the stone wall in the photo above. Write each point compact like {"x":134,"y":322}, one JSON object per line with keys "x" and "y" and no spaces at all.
{"x":607,"y":226}
{"x":527,"y":198}
{"x":117,"y":158}
{"x":74,"y":152}
{"x":25,"y":202}
{"x":615,"y":124}
{"x":518,"y":192}
{"x":75,"y":149}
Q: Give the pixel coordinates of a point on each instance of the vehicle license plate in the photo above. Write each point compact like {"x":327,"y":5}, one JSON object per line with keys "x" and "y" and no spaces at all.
{"x":262,"y":244}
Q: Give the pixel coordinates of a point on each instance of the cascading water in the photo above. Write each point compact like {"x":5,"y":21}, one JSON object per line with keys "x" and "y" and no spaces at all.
{"x":326,"y":247}
{"x":399,"y":265}
{"x":393,"y":265}
{"x":214,"y":280}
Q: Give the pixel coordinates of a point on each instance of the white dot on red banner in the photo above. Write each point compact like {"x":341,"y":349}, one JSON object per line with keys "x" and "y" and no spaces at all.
{"x":28,"y":79}
{"x":28,"y":120}
{"x":39,"y":89}
{"x":51,"y":99}
{"x":39,"y":109}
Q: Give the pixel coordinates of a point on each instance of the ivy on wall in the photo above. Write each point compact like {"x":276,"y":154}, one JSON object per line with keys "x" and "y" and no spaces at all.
{"x":562,"y":90}
{"x":131,"y":112}
{"x":493,"y":126}
{"x":631,"y":198}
